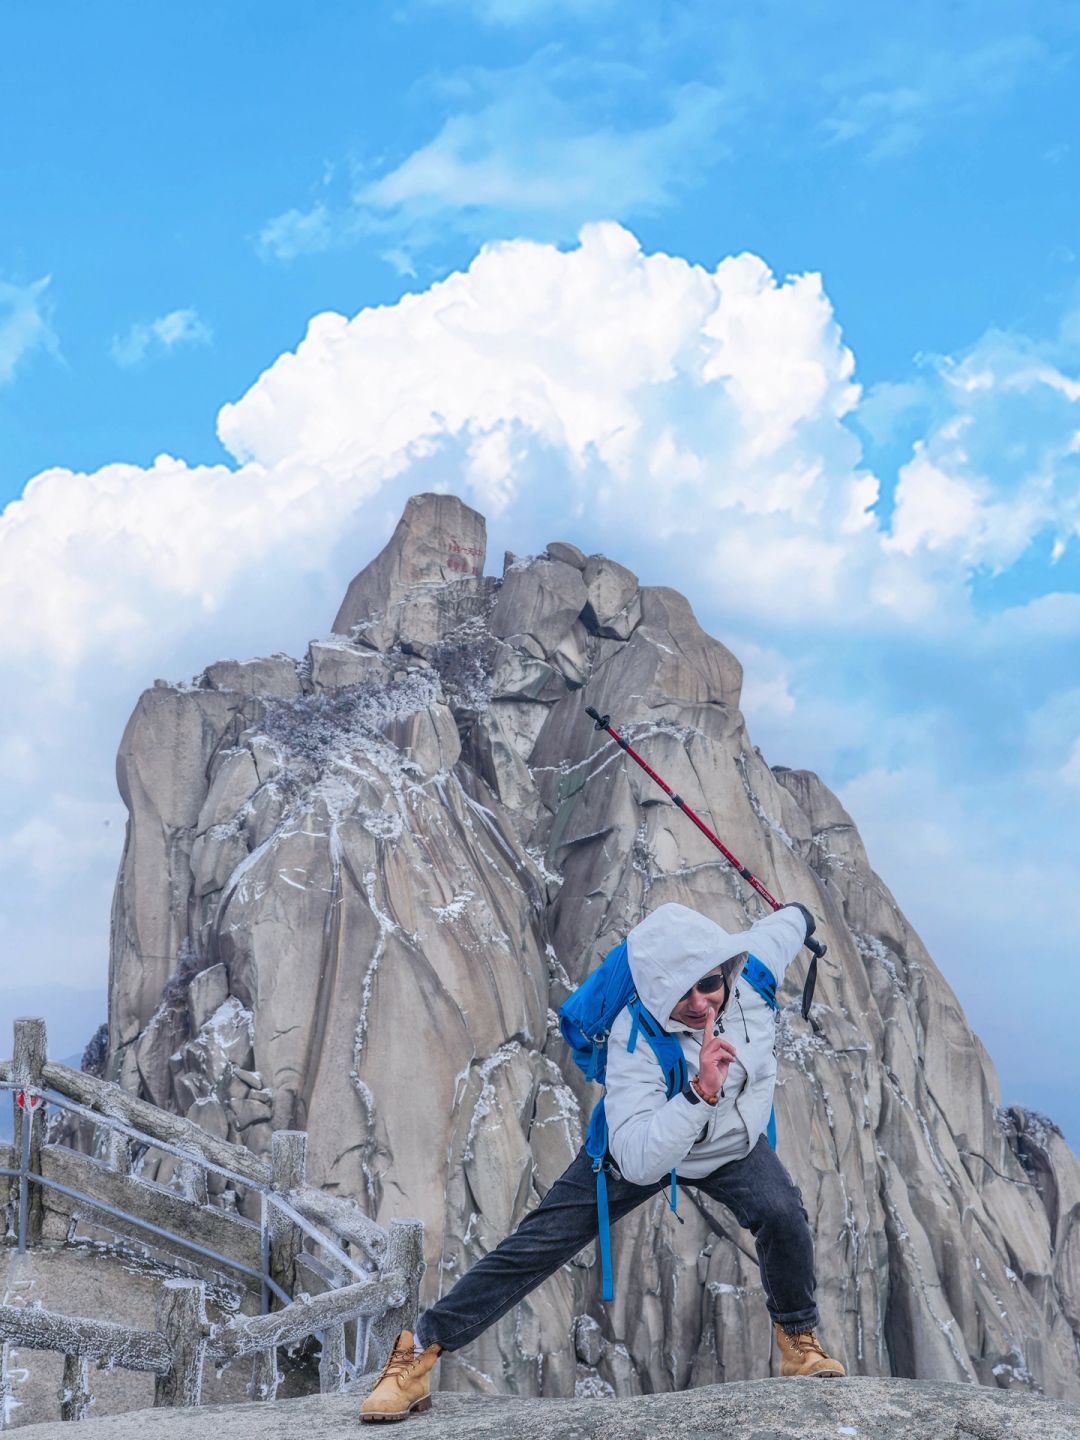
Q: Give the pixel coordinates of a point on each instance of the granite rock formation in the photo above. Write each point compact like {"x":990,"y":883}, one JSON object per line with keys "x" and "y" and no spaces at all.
{"x":356,"y":888}
{"x":864,"y":1409}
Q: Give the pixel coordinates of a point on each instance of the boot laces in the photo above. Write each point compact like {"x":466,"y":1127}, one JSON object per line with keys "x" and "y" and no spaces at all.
{"x":400,"y":1363}
{"x":808,"y":1343}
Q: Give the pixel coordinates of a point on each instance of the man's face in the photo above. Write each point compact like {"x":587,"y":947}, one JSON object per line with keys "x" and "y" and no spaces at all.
{"x":706,"y":997}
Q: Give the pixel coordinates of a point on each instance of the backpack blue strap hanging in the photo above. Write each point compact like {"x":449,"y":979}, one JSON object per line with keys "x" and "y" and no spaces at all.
{"x":603,"y":1229}
{"x":761,"y":979}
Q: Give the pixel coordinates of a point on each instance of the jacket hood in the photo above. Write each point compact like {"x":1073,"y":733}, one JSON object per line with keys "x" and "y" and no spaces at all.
{"x":672,"y":949}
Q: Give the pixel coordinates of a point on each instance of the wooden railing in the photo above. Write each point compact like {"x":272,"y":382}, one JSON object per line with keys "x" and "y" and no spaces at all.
{"x":184,"y":1340}
{"x":305,"y":1240}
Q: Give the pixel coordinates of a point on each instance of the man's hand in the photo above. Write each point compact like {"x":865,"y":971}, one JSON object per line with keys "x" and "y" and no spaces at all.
{"x":811,"y":923}
{"x":717,"y":1053}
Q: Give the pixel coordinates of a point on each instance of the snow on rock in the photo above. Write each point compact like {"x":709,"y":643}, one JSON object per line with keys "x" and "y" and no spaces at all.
{"x":381,"y":870}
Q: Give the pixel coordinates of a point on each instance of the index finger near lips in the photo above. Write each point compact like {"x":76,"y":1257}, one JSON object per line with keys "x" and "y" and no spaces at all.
{"x":719,"y":1045}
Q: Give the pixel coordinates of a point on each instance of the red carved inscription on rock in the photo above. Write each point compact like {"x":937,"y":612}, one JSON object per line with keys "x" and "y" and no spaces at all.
{"x":459,"y":558}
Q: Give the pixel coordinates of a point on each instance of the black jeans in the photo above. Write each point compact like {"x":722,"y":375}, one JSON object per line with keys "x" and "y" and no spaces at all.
{"x":757,"y":1190}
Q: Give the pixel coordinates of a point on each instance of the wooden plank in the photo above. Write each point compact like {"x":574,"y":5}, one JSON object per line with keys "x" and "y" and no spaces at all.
{"x":207,"y":1226}
{"x":341,"y":1215}
{"x":111,"y":1100}
{"x":35,"y":1329}
{"x":247,"y":1334}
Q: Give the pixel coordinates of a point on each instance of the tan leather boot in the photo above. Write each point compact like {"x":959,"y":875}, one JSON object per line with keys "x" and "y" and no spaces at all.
{"x":803,"y":1355}
{"x":404,"y":1387}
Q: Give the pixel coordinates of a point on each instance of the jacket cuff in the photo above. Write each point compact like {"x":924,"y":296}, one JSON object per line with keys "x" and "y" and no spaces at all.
{"x":810,"y":922}
{"x":690,"y":1110}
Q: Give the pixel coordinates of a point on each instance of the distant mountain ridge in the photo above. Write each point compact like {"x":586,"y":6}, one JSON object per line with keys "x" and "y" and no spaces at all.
{"x":382,"y":867}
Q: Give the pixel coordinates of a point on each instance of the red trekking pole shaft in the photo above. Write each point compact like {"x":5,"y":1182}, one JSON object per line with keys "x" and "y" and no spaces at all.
{"x":603,"y":722}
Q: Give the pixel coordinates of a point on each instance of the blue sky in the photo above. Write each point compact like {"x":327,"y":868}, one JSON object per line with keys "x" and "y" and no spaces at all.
{"x":182,"y":193}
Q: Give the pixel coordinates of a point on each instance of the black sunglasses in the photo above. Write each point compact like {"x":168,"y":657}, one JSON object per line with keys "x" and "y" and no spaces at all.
{"x":708,"y":986}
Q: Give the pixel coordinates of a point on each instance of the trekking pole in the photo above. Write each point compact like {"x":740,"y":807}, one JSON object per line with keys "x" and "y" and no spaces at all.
{"x":816,"y":948}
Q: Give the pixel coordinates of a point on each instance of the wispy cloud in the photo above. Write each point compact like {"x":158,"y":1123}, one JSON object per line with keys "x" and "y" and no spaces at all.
{"x":891,"y":106}
{"x":526,"y":12}
{"x":25,"y":324}
{"x":534,"y":149}
{"x":303,"y":232}
{"x":147,"y":338}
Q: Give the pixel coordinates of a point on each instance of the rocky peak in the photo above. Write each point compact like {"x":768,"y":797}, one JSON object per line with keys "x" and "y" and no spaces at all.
{"x":438,"y":539}
{"x":380,"y":870}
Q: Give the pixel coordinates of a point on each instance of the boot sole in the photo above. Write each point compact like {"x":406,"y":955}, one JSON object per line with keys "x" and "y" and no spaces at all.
{"x":383,"y":1417}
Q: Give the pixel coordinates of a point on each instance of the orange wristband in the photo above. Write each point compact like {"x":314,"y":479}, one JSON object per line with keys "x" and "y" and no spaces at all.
{"x":699,"y":1089}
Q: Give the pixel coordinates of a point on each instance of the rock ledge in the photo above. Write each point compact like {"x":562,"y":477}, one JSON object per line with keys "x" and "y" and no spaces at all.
{"x":857,"y":1409}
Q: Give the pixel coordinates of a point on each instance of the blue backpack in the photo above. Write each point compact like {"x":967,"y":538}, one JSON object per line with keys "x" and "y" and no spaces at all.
{"x":586,"y":1018}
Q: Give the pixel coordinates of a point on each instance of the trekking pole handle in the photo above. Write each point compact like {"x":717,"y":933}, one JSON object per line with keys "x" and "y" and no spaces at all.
{"x":816,"y":947}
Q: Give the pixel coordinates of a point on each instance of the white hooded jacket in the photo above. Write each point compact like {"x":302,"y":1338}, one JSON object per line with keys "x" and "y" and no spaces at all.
{"x":650,"y":1135}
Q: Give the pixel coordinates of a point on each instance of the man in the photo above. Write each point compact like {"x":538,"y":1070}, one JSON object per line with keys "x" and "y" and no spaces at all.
{"x":686,"y":970}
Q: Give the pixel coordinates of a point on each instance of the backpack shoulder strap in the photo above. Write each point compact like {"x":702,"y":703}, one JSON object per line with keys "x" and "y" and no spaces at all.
{"x":667,"y":1048}
{"x":761,"y":979}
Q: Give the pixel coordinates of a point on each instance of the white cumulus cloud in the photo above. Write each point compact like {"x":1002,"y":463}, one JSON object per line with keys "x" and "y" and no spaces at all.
{"x":704,"y":409}
{"x":640,"y":379}
{"x":693,"y":421}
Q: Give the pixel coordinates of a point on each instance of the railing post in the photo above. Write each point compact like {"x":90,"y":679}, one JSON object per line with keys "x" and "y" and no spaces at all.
{"x":288,"y":1163}
{"x":265,"y":1376}
{"x":75,"y":1395}
{"x":191,"y":1182}
{"x":116,"y":1146}
{"x":31,"y":1052}
{"x":6,"y":1387}
{"x":363,"y":1341}
{"x":332,"y":1360}
{"x":181,"y":1318}
{"x":405,"y":1252}
{"x":265,"y":1297}
{"x":118,"y":1152}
